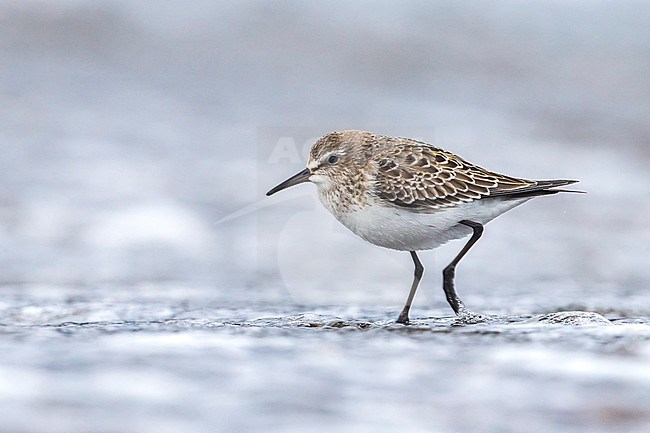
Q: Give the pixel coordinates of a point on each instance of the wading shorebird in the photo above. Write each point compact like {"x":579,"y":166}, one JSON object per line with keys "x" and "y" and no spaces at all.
{"x":407,"y":195}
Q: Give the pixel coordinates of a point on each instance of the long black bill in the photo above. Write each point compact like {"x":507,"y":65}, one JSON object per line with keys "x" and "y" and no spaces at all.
{"x":301,"y":177}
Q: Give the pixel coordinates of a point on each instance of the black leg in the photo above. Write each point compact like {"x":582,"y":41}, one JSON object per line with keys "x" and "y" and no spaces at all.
{"x":419,"y":270}
{"x":449,"y":272}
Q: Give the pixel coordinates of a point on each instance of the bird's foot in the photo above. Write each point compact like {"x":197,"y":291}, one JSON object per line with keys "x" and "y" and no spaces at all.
{"x":468,"y":317}
{"x":403,"y":318}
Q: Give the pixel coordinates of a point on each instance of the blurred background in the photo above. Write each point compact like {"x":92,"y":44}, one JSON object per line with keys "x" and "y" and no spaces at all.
{"x":130,"y":129}
{"x":138,"y":139}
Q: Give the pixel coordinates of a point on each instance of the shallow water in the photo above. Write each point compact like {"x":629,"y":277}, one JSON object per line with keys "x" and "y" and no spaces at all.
{"x":152,"y":359}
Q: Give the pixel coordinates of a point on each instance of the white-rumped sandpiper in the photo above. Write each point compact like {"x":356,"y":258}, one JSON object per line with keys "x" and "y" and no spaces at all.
{"x":408,"y":195}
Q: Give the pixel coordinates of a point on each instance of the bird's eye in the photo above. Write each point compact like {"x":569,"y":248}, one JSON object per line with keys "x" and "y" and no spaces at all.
{"x":333,"y":159}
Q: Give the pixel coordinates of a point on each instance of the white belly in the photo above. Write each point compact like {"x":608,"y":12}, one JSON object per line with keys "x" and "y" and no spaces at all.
{"x":405,"y":230}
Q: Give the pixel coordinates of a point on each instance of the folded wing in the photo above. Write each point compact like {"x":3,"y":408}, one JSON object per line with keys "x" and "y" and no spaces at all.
{"x":426,"y":178}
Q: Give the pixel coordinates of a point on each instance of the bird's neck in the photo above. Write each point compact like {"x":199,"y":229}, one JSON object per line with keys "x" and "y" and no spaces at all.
{"x":345,"y":196}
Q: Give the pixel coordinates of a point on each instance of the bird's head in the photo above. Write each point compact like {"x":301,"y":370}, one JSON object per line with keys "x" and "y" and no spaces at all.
{"x":332,"y":158}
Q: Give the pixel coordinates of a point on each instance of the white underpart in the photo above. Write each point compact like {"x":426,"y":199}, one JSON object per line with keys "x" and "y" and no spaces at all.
{"x":405,"y":230}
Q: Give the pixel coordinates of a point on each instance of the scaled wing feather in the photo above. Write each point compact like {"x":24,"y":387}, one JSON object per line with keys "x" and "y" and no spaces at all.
{"x":426,"y":178}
